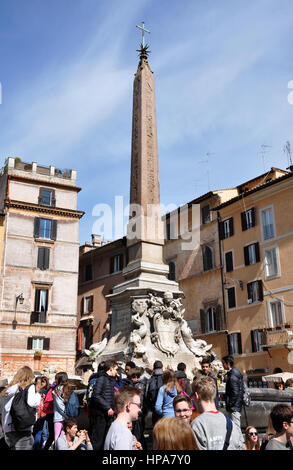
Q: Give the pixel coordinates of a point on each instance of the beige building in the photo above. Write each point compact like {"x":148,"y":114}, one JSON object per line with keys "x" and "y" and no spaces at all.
{"x":39,"y":266}
{"x":256,"y":232}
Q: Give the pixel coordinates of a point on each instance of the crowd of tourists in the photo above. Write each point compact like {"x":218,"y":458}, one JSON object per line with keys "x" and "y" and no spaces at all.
{"x":38,"y":415}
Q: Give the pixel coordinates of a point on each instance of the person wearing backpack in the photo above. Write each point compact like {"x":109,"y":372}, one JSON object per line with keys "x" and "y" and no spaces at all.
{"x":153,"y":386}
{"x":182,"y":378}
{"x":21,"y":398}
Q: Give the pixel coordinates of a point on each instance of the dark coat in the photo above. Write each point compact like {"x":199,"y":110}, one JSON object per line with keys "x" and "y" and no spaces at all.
{"x":103,"y":394}
{"x":234,"y":390}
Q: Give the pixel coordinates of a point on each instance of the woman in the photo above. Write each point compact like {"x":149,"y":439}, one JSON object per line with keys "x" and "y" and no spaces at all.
{"x":71,"y":439}
{"x":61,"y":394}
{"x":167,"y":392}
{"x":173,"y":434}
{"x":23,"y":379}
{"x":251,"y":439}
{"x":41,"y":424}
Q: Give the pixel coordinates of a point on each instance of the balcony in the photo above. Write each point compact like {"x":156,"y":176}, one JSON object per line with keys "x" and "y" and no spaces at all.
{"x":280,"y":336}
{"x":38,"y":317}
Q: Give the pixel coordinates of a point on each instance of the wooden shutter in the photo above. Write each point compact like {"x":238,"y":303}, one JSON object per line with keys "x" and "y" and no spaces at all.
{"x":203,"y":320}
{"x":91,"y":308}
{"x":239,"y":343}
{"x":53,"y":199}
{"x":112,"y":265}
{"x":260,"y":291}
{"x":229,"y":261}
{"x":37,"y":299}
{"x":29,"y":343}
{"x":253,"y":216}
{"x":231,"y":226}
{"x":221,"y":231}
{"x":82,"y":306}
{"x":46,"y":344}
{"x":257,"y":253}
{"x":37,"y":227}
{"x":54,"y":229}
{"x":243,"y":221}
{"x":218,"y":318}
{"x":229,"y":344}
{"x":40,"y":196}
{"x":246,"y":256}
{"x":253,"y":344}
{"x":40,"y":262}
{"x":249,"y":291}
{"x":231,"y":297}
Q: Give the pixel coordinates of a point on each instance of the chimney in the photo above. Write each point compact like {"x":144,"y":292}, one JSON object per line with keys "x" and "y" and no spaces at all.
{"x":96,"y":240}
{"x":290,"y":168}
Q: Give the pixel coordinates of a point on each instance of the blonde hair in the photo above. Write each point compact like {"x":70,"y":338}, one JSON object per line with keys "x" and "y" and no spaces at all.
{"x":23,"y":377}
{"x":169,"y":379}
{"x":173,"y":434}
{"x":205,"y":387}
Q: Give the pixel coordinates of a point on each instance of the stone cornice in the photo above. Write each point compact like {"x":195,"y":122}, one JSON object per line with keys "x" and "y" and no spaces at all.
{"x":28,"y":206}
{"x":42,"y":181}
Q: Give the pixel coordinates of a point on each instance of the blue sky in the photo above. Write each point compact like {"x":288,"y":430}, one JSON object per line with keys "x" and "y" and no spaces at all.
{"x":221,"y":72}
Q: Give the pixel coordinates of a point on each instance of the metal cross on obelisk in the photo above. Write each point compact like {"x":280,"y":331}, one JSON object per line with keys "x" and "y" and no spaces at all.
{"x":143,"y":30}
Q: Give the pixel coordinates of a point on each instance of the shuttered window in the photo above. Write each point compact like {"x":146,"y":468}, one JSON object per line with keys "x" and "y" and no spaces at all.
{"x":208,"y":258}
{"x":43,"y":257}
{"x":234,"y":343}
{"x":254,"y":291}
{"x":205,"y":214}
{"x":248,"y":219}
{"x":231,"y":297}
{"x":47,"y":197}
{"x":251,"y":254}
{"x":229,"y":261}
{"x":211,"y":319}
{"x":226,"y":228}
{"x":38,"y":342}
{"x":45,"y":228}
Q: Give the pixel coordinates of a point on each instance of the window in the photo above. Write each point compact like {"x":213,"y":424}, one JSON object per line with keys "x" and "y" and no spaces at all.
{"x":205,"y":214}
{"x":226,"y":228}
{"x":255,"y":291}
{"x":276,"y":313}
{"x":172,"y":271}
{"x":267,"y":223}
{"x":271,"y":264}
{"x":231,"y":297}
{"x":248,"y":219}
{"x":116,"y":263}
{"x":251,"y":254}
{"x":47,"y":197}
{"x":234,"y":343}
{"x":211,"y":319}
{"x":87,"y":304}
{"x":45,"y":228}
{"x":88,"y":272}
{"x":41,"y":300}
{"x":43,"y":258}
{"x":229,"y":261}
{"x":208,"y":258}
{"x":258,"y":339}
{"x":38,"y":343}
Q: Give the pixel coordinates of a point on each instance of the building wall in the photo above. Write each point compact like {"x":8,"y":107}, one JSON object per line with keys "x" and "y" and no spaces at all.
{"x":20,"y":275}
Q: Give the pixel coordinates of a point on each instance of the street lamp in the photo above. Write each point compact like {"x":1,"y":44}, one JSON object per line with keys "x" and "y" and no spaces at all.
{"x":18,"y":298}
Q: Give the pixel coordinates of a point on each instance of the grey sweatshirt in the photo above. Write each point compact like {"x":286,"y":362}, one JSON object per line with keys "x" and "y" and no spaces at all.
{"x":210,"y":432}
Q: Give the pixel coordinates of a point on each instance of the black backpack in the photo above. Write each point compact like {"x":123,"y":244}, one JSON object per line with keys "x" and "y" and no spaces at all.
{"x":23,"y":416}
{"x":154,"y":384}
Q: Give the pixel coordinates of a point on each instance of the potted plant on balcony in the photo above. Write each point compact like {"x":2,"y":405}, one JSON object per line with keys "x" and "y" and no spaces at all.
{"x":278,"y":327}
{"x":37,"y":354}
{"x":287,"y":325}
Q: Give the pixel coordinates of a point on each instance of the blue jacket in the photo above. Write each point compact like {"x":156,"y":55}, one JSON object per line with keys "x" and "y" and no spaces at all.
{"x":164,"y":403}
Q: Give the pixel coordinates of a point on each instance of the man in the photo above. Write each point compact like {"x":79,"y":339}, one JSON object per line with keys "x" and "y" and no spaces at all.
{"x":134,"y":379}
{"x":71,"y":440}
{"x":211,"y":426}
{"x":182,"y":378}
{"x":127,"y":404}
{"x":154,"y":383}
{"x":234,"y":390}
{"x":102,"y":404}
{"x":183,"y":407}
{"x":282,"y":421}
{"x":129,"y":365}
{"x":206,"y":371}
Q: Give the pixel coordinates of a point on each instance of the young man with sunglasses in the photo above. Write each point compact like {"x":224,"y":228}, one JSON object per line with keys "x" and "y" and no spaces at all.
{"x":127,"y":404}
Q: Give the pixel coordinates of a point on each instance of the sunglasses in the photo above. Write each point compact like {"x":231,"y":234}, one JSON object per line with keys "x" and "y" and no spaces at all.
{"x":253,"y":433}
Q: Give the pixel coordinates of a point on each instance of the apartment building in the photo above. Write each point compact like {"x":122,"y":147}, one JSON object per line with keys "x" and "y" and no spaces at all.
{"x":256,"y":232}
{"x":39,"y":266}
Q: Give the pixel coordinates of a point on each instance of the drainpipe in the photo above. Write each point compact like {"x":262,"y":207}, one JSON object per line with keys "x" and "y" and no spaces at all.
{"x":222,"y":272}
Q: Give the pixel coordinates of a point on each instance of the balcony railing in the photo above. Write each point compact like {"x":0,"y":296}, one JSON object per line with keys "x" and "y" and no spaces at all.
{"x":279,"y":336}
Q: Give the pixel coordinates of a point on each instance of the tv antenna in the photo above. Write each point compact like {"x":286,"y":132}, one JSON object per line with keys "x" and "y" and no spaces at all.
{"x":287,"y":150}
{"x":208,"y":154}
{"x":263,"y":151}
